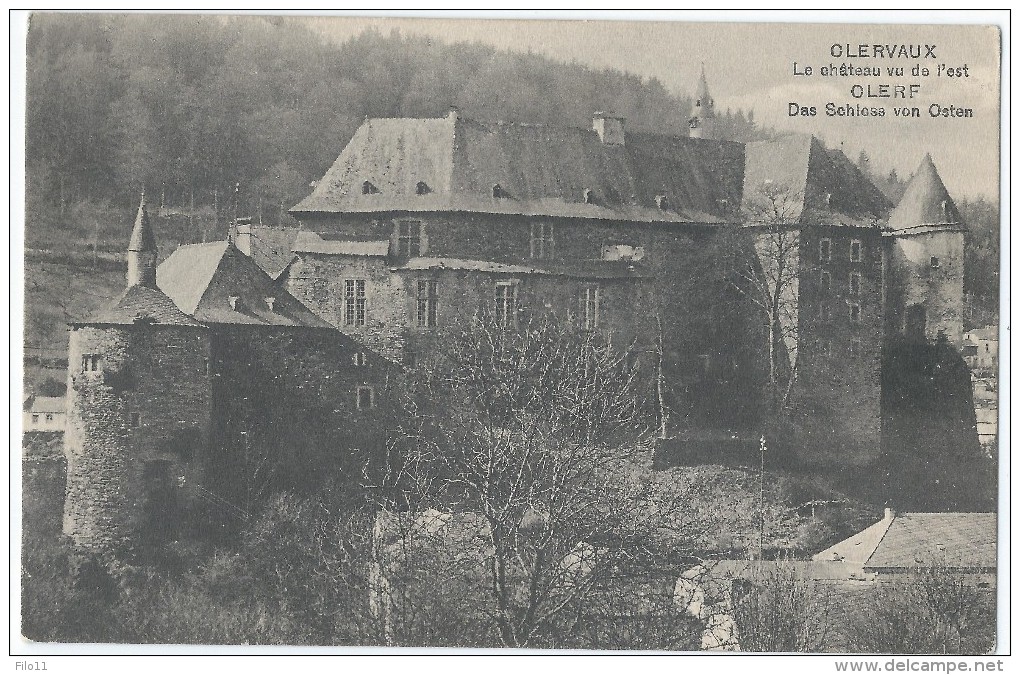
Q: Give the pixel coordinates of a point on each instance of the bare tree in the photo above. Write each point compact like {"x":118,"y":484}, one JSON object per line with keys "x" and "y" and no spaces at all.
{"x":522,"y":437}
{"x":776,"y":610}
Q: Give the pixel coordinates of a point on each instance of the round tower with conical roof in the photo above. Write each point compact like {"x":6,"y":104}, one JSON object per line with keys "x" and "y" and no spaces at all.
{"x":702,"y":121}
{"x":925,"y":281}
{"x":139,"y":406}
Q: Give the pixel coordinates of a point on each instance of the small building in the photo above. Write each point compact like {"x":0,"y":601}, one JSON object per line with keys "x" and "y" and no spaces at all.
{"x":981,"y":349}
{"x":44,"y":413}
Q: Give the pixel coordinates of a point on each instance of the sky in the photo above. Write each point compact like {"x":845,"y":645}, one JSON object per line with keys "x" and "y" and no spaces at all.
{"x":751,"y":66}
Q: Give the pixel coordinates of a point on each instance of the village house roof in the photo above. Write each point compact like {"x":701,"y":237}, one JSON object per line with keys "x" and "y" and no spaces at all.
{"x":217,"y":283}
{"x":140,"y":304}
{"x":458,"y":164}
{"x":925,"y":204}
{"x":47,"y":404}
{"x":904,"y":541}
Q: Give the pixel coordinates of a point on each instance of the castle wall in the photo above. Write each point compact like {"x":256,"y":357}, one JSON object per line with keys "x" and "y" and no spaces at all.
{"x":917,"y":283}
{"x":838,"y":386}
{"x":286,"y":409}
{"x":137,"y":428}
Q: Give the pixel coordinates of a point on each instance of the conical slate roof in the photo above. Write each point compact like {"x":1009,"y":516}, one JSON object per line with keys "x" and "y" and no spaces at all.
{"x":926,"y":202}
{"x":703,"y":96}
{"x":142,"y":236}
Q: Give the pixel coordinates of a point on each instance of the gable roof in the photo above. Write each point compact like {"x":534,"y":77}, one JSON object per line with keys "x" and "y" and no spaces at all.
{"x":48,"y":404}
{"x":906,"y":540}
{"x":925,"y":202}
{"x":141,"y":304}
{"x":539,"y":170}
{"x":201,"y":279}
{"x":813,"y":184}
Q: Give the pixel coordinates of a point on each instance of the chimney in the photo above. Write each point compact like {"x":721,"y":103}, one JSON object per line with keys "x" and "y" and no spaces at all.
{"x":243,"y":235}
{"x":609,"y":127}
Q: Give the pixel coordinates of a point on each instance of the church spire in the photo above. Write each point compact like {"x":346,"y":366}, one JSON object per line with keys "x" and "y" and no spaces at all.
{"x":141,"y":253}
{"x":702,"y":121}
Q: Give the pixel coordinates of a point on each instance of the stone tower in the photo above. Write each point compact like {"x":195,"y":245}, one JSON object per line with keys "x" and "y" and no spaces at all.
{"x":925,"y":289}
{"x":141,"y":253}
{"x":139,"y":411}
{"x":702,"y":121}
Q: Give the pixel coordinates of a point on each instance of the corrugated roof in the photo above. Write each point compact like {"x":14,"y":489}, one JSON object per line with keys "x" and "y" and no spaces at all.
{"x":49,"y":404}
{"x":540,"y":170}
{"x":140,"y":304}
{"x":202,"y":278}
{"x":962,"y":540}
{"x":311,"y":242}
{"x":925,"y":202}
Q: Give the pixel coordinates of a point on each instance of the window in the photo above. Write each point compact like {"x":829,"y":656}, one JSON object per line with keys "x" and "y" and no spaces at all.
{"x":934,"y":262}
{"x":359,"y":358}
{"x":366,"y":398}
{"x":506,"y":304}
{"x":825,"y":250}
{"x":855,"y":250}
{"x":824,"y":311}
{"x":35,"y":419}
{"x":826,"y":281}
{"x":368,"y":189}
{"x":354,"y":302}
{"x":590,"y":308}
{"x":855,"y":283}
{"x":408,"y":238}
{"x":422,"y":188}
{"x":428,"y":298}
{"x":855,"y":312}
{"x":49,"y":417}
{"x":91,"y":363}
{"x":542,"y":243}
{"x":135,"y":420}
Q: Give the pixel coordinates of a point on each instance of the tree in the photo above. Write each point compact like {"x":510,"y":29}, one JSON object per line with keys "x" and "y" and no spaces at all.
{"x":776,"y":610}
{"x":522,"y":436}
{"x":768,"y":277}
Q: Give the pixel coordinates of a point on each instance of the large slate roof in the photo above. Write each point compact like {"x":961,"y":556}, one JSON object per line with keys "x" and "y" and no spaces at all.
{"x":540,"y":170}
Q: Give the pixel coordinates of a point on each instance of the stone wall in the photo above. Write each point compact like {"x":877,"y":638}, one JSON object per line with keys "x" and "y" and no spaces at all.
{"x":137,"y":429}
{"x":915,"y":282}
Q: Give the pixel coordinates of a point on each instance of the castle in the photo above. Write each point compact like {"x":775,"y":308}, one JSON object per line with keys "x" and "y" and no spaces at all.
{"x":285,"y":339}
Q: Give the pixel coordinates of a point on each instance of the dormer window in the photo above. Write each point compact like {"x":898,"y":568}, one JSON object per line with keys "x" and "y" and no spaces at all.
{"x":368,"y":189}
{"x":422,"y":188}
{"x":589,"y":197}
{"x":359,"y":358}
{"x":233,"y":300}
{"x":934,"y":262}
{"x":271,"y":302}
{"x":498,"y":192}
{"x":828,"y":199}
{"x":662,"y":202}
{"x":542,"y":241}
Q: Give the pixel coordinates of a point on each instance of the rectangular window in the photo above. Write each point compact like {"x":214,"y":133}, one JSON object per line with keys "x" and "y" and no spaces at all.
{"x":354,"y":302}
{"x":934,"y":262}
{"x":855,"y":283}
{"x":855,"y":312}
{"x":91,"y":363}
{"x":824,"y":311}
{"x":855,"y":250}
{"x":825,"y":250}
{"x":542,"y":243}
{"x":826,"y":281}
{"x":35,"y":419}
{"x":359,"y":358}
{"x":590,"y":308}
{"x":49,"y":417}
{"x":506,"y":304}
{"x":135,"y":420}
{"x":428,"y":300}
{"x":408,"y":238}
{"x":366,"y":398}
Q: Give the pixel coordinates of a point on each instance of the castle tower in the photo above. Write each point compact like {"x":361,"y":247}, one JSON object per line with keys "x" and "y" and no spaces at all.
{"x":702,"y":121}
{"x":141,"y":253}
{"x":925,"y":290}
{"x":139,"y":408}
